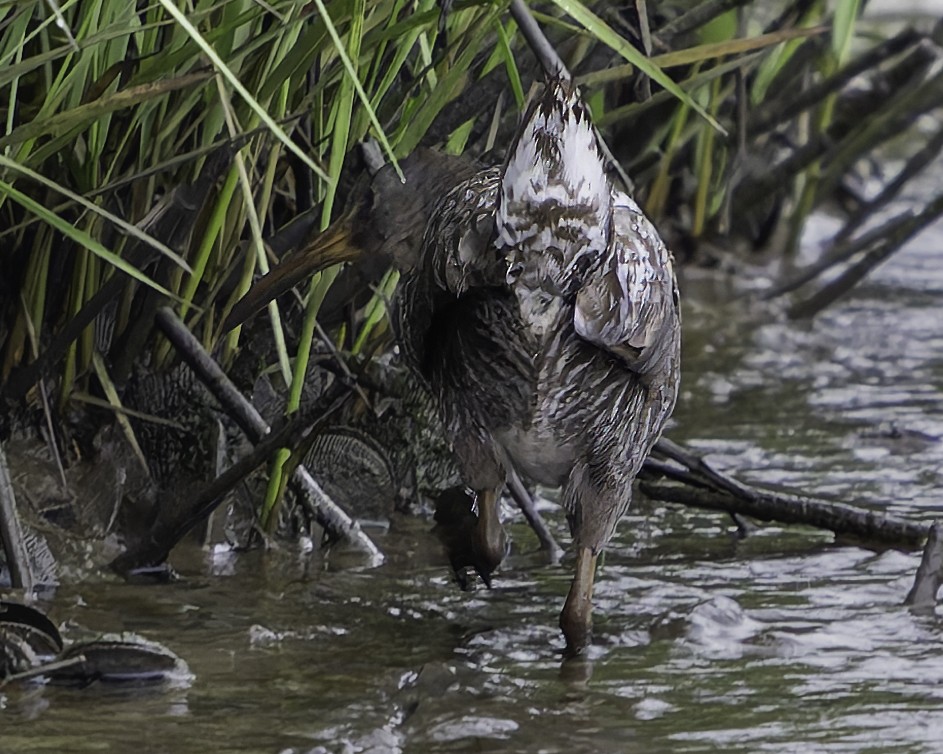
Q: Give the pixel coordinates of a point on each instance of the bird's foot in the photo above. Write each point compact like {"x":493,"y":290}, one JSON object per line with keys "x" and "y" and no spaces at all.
{"x":470,"y":540}
{"x":489,"y":541}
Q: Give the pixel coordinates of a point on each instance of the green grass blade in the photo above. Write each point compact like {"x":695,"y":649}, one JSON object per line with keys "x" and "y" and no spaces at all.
{"x":64,"y":123}
{"x":227,"y":73}
{"x":702,"y":53}
{"x":376,"y":309}
{"x":80,"y":237}
{"x":514,"y":76}
{"x":411,"y":130}
{"x":843,"y":28}
{"x":121,"y":415}
{"x":355,"y":80}
{"x":715,"y":50}
{"x":605,"y":34}
{"x":127,"y":227}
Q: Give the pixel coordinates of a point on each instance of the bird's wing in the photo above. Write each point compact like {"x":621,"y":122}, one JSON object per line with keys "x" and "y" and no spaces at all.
{"x":629,"y":305}
{"x":456,"y":255}
{"x":458,"y":252}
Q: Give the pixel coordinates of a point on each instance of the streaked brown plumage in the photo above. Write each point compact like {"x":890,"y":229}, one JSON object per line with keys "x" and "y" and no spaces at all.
{"x":542,"y":313}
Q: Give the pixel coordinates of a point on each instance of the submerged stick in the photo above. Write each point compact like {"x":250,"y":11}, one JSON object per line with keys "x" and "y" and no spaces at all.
{"x":697,"y":465}
{"x":526,"y":503}
{"x":927,"y":580}
{"x":897,"y":231}
{"x":166,"y":535}
{"x":11,"y":534}
{"x":41,"y":670}
{"x":327,"y":513}
{"x":839,"y":518}
{"x":701,"y":471}
{"x":702,"y":486}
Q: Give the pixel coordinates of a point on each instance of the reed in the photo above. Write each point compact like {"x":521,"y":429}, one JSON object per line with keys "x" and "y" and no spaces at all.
{"x":110,"y":108}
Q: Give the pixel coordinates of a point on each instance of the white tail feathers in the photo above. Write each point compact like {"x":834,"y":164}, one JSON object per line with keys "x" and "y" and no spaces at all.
{"x":555,"y":198}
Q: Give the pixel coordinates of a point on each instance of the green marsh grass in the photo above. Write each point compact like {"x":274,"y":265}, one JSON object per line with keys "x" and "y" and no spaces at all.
{"x":107,"y":107}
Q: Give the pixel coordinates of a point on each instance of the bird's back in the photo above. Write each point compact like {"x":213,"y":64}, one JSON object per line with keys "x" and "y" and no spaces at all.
{"x":543,"y":312}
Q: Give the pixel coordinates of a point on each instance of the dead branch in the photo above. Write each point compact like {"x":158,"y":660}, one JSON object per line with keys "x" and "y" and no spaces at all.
{"x":545,"y":53}
{"x":897,"y":232}
{"x":789,"y":105}
{"x":922,"y":595}
{"x":169,"y":221}
{"x":698,"y":485}
{"x":869,"y":527}
{"x":166,"y":535}
{"x":327,"y":513}
{"x":667,"y":36}
{"x":526,"y":503}
{"x":11,"y":534}
{"x":915,"y":165}
{"x":865,"y":124}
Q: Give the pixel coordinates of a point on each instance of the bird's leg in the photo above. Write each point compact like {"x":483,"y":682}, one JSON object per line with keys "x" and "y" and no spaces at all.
{"x":489,"y":542}
{"x":576,"y":620}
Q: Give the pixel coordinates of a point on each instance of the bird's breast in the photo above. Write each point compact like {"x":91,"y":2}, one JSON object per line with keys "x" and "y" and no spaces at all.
{"x":546,"y":444}
{"x":538,"y":454}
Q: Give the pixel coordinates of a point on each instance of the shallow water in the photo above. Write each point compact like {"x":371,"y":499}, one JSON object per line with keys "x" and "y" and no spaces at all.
{"x":782,"y":642}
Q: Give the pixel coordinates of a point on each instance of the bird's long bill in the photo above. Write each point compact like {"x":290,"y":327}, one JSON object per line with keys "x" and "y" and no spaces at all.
{"x":334,"y":246}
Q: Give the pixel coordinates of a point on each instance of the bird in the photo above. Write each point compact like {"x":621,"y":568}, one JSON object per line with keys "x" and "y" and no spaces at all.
{"x":541,"y":311}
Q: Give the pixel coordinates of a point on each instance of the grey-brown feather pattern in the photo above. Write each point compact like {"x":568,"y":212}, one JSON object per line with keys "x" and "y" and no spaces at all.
{"x":543,"y":315}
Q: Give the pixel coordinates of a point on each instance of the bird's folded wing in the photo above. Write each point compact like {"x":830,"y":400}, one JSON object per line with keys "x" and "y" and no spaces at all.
{"x":458,"y":249}
{"x":629,"y":305}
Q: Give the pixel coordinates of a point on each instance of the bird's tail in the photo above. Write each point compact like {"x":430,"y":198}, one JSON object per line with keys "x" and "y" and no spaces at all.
{"x":554,"y":206}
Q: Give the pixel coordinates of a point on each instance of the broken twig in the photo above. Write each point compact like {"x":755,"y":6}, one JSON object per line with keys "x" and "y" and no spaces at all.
{"x":895,"y":233}
{"x":927,"y":580}
{"x":327,"y":513}
{"x":11,"y":534}
{"x":165,"y":536}
{"x":701,"y":486}
{"x":526,"y":503}
{"x":842,"y":519}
